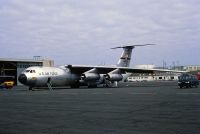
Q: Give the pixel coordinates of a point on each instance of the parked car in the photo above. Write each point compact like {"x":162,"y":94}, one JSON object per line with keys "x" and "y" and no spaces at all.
{"x":188,"y":81}
{"x":7,"y":82}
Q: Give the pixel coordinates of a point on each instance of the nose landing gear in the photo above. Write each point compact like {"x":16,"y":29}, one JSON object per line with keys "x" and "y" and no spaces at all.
{"x":49,"y":84}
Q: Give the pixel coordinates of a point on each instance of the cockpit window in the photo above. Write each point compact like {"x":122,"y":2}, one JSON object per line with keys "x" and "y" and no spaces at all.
{"x":31,"y":71}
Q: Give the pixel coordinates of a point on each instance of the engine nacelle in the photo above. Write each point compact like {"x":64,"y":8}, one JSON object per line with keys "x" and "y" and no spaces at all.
{"x":90,"y":77}
{"x":113,"y":77}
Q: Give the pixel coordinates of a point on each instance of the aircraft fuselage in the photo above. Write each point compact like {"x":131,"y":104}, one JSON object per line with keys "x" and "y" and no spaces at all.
{"x":40,"y":76}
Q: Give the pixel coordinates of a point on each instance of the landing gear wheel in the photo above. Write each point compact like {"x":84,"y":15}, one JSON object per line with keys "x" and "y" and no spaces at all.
{"x":30,"y":88}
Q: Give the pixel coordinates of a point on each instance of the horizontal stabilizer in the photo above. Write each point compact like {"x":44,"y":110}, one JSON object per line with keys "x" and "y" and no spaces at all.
{"x":132,"y":46}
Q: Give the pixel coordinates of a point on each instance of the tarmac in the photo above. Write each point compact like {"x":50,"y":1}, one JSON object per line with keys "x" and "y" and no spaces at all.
{"x":132,"y":108}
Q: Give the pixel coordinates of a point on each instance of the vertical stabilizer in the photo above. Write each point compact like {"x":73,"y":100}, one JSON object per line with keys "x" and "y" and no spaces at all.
{"x":125,"y":58}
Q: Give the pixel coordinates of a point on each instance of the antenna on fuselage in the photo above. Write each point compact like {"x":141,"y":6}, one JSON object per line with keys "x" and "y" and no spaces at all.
{"x":125,"y":58}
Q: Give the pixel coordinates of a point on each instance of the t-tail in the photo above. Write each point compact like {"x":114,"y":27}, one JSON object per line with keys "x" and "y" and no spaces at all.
{"x":125,"y":58}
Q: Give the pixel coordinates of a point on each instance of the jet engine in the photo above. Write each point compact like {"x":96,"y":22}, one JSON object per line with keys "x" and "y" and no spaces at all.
{"x":90,"y":77}
{"x":113,"y":77}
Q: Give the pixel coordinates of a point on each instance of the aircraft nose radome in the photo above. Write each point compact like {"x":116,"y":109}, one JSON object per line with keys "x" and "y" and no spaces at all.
{"x":22,"y":78}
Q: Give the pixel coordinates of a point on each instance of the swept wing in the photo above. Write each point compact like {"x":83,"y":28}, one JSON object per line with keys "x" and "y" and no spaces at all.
{"x":79,"y":69}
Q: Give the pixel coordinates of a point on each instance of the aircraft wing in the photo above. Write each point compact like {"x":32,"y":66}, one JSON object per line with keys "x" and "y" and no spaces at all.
{"x":79,"y":69}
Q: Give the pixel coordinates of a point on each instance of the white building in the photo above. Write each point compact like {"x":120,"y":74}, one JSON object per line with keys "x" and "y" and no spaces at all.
{"x":152,"y":77}
{"x":145,"y":66}
{"x":192,"y":68}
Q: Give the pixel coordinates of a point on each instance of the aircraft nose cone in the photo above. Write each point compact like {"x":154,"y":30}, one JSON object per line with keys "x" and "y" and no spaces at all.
{"x":22,"y":78}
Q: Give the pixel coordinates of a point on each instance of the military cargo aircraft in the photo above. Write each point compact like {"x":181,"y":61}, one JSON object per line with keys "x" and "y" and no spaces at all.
{"x":83,"y":75}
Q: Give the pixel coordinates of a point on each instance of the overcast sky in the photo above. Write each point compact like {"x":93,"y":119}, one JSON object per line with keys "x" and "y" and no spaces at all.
{"x":83,"y":31}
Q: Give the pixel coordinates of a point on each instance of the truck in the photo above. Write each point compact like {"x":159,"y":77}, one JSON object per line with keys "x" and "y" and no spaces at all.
{"x":188,"y":81}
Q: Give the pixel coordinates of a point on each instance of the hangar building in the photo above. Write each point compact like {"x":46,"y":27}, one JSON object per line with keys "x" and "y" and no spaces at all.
{"x":13,"y":67}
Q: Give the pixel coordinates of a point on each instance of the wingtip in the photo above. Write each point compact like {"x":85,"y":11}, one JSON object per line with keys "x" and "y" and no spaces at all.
{"x":116,"y":47}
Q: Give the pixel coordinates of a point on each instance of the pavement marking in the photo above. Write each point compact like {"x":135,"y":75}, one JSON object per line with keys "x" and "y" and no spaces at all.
{"x":142,"y":93}
{"x":95,"y":93}
{"x":188,"y":93}
{"x":107,"y":93}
